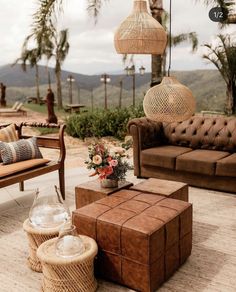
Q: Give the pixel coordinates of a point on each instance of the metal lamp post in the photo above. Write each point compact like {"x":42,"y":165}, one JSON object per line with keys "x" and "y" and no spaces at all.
{"x":70,"y":79}
{"x":105,"y":78}
{"x":130,"y":71}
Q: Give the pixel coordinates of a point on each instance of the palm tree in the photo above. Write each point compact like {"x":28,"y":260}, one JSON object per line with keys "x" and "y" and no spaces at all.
{"x":223,"y":56}
{"x":156,"y":7}
{"x":61,"y":51}
{"x":226,"y":6}
{"x":158,"y":61}
{"x":48,"y":41}
{"x":32,"y":56}
{"x":173,"y":41}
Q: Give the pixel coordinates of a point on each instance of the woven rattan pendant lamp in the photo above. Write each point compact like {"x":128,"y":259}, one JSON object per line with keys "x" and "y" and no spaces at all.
{"x":140,"y":33}
{"x":169,"y":101}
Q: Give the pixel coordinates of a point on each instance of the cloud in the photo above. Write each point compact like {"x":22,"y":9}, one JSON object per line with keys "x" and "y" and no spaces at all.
{"x":91,"y":46}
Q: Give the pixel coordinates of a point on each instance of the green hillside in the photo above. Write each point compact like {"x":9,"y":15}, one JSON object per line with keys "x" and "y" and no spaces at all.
{"x":206,"y":85}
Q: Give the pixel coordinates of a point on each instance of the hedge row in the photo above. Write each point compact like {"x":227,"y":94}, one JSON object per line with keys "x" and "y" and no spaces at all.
{"x":101,"y":123}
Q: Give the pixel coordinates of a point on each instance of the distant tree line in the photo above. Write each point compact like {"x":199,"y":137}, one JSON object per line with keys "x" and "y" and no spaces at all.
{"x":51,"y":43}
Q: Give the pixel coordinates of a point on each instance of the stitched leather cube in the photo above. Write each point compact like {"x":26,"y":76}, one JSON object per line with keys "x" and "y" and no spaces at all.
{"x":142,"y":238}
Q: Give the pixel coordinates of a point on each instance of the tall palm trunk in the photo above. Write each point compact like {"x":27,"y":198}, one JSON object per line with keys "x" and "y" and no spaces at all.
{"x":230,"y":94}
{"x":156,"y":7}
{"x":37,"y":83}
{"x":58,"y":78}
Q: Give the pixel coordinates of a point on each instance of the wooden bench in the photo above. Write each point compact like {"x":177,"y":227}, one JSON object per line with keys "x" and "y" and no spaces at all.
{"x":42,"y":141}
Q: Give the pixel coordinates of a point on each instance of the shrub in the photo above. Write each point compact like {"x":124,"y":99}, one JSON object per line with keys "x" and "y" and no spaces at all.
{"x":102,"y":123}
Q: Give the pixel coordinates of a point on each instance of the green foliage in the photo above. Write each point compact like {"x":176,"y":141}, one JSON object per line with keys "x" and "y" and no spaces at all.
{"x":102,"y":122}
{"x":46,"y":131}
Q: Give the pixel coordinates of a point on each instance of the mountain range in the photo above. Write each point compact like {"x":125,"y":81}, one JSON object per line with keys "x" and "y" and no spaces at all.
{"x":207,"y":86}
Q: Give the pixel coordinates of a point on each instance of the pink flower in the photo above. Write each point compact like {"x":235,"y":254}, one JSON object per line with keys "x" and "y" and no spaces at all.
{"x":104,"y":172}
{"x":113,"y":162}
{"x":99,"y":148}
{"x":109,"y":158}
{"x":97,"y":159}
{"x":109,"y":170}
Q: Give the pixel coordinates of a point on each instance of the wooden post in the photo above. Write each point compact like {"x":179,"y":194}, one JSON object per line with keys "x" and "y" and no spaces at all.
{"x":121,"y":91}
{"x":78,"y":94}
{"x":92,"y":99}
{"x":134,"y":89}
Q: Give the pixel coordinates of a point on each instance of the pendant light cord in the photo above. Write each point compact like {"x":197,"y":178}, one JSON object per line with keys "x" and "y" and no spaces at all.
{"x":170,"y":43}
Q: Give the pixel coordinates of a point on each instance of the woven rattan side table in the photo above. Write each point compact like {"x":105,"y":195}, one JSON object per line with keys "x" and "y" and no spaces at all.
{"x":35,"y":238}
{"x":68,"y":274}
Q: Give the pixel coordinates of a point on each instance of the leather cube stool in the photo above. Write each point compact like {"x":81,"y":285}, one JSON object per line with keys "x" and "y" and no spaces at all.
{"x":142,"y":238}
{"x":167,"y":188}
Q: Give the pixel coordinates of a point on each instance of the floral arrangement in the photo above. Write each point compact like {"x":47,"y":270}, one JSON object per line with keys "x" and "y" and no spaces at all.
{"x":107,"y":163}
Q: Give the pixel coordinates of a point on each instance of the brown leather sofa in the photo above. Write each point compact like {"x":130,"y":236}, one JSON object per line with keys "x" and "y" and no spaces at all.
{"x":200,"y":151}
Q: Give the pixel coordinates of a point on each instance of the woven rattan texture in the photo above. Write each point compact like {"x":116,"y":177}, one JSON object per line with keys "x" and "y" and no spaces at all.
{"x":140,"y":33}
{"x":68,"y":275}
{"x":35,"y":239}
{"x":169,"y":101}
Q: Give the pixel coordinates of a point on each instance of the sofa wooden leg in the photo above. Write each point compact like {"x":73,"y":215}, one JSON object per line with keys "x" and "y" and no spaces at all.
{"x":21,"y":186}
{"x":62,"y":182}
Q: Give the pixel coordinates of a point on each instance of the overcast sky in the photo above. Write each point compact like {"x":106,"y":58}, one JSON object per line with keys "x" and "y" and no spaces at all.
{"x":91,"y":46}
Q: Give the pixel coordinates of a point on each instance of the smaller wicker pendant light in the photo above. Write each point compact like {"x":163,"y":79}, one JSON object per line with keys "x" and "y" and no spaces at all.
{"x":140,"y":33}
{"x":169,"y":101}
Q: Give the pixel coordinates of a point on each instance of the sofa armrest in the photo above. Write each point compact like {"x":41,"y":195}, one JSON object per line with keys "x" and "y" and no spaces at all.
{"x":146,"y":134}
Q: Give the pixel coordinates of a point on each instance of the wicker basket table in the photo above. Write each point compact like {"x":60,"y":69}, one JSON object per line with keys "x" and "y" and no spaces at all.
{"x":35,"y":238}
{"x":71,"y":274}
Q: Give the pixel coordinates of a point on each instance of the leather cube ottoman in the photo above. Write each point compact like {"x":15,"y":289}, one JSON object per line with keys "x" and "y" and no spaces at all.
{"x":92,"y":191}
{"x":167,"y":188}
{"x":142,"y":238}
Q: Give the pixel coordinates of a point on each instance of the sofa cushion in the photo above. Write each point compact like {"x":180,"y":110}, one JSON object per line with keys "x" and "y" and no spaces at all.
{"x":226,"y":166}
{"x":200,"y":161}
{"x":163,"y":156}
{"x":8,"y":134}
{"x":9,"y":169}
{"x":23,"y":149}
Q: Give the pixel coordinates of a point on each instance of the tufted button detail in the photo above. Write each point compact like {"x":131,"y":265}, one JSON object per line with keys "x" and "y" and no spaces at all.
{"x":226,"y":123}
{"x":191,"y":122}
{"x":173,"y":131}
{"x":214,"y":122}
{"x":206,"y":133}
{"x":184,"y":131}
{"x":202,"y":122}
{"x":195,"y":132}
{"x":229,"y":135}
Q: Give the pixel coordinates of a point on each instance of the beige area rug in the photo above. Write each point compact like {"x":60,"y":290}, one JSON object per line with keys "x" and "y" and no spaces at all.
{"x":211,"y":267}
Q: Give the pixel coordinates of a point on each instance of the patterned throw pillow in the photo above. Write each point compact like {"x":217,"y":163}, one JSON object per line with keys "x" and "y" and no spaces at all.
{"x":20,"y":150}
{"x":8,"y":134}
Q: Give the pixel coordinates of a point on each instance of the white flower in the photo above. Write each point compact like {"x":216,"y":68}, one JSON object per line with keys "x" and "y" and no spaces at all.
{"x":97,"y":159}
{"x":119,"y":150}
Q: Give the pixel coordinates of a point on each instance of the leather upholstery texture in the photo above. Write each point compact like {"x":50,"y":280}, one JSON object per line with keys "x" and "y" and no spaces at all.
{"x":142,"y":238}
{"x":162,"y":156}
{"x":203,"y":133}
{"x":210,"y":144}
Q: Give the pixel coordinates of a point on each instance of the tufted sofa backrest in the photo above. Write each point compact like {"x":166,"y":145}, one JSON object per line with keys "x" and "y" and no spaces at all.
{"x":213,"y":133}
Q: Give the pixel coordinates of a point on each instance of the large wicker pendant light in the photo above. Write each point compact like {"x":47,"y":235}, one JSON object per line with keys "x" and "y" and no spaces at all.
{"x":140,"y":33}
{"x":169,"y":101}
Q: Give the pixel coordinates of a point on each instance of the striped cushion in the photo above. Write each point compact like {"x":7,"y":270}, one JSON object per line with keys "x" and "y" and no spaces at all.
{"x":8,"y":134}
{"x":20,"y":150}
